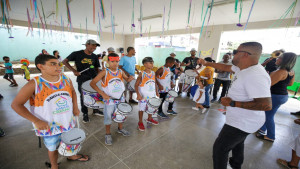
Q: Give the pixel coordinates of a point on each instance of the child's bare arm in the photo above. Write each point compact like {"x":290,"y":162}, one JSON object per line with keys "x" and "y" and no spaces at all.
{"x":76,"y":111}
{"x":156,"y":89}
{"x":200,"y":95}
{"x":136,"y":86}
{"x":95,"y":87}
{"x":18,"y":105}
{"x":127,"y":78}
{"x":158,"y":73}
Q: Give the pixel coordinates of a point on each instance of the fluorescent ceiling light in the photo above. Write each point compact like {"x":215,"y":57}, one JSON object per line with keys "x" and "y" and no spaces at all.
{"x":151,"y":17}
{"x":109,"y":26}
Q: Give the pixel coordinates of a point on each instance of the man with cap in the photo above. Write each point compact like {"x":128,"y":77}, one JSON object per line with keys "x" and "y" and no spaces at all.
{"x":105,"y":58}
{"x":176,"y":69}
{"x":189,"y":63}
{"x":85,"y":59}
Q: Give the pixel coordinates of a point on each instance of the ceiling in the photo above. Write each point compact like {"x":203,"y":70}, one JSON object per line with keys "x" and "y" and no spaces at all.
{"x":122,"y":10}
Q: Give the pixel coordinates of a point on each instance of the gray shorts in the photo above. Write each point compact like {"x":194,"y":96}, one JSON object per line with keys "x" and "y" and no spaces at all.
{"x":8,"y":76}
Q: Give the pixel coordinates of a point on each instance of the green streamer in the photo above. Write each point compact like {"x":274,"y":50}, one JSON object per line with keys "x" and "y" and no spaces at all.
{"x":56,"y":8}
{"x":241,"y":10}
{"x":236,"y":6}
{"x":204,"y":21}
{"x":189,"y":14}
{"x":279,"y":21}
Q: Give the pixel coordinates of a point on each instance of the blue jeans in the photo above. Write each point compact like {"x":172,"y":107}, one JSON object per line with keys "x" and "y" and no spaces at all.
{"x":206,"y":102}
{"x":269,"y":126}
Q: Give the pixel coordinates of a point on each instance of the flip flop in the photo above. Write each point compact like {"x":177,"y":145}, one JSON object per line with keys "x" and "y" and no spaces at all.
{"x":79,"y":159}
{"x":262,"y":137}
{"x":285,"y":163}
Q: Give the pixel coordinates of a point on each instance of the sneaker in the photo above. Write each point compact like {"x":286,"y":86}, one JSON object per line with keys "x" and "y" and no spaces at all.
{"x":203,"y":110}
{"x":152,"y":121}
{"x":133,"y":101}
{"x":219,"y":101}
{"x":195,"y":108}
{"x":213,"y":100}
{"x":2,"y":133}
{"x":124,"y":132}
{"x":85,"y":118}
{"x":162,"y":115}
{"x":108,"y":139}
{"x":141,"y":127}
{"x":171,"y":112}
{"x":11,"y":85}
{"x":206,"y":106}
{"x":97,"y":112}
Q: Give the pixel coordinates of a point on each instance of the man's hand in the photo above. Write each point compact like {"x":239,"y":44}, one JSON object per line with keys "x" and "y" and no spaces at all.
{"x":76,"y":73}
{"x":188,"y":64}
{"x":76,"y":112}
{"x":130,"y":78}
{"x":226,"y":101}
{"x":201,"y":61}
{"x":139,"y":97}
{"x":41,"y":125}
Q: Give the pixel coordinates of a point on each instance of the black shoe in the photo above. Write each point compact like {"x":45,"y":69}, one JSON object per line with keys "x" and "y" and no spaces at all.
{"x":97,"y":112}
{"x":296,"y":113}
{"x":162,"y":115}
{"x":133,"y":101}
{"x":2,"y":133}
{"x":188,"y":94}
{"x":213,"y":100}
{"x":1,"y":97}
{"x":206,"y":106}
{"x":85,"y":118}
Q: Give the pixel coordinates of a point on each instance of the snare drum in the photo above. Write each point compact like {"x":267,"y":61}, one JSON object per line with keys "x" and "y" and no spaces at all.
{"x":91,"y":98}
{"x":71,"y":142}
{"x":131,"y":85}
{"x":188,"y":79}
{"x":152,"y":105}
{"x":122,"y":110}
{"x":171,"y":96}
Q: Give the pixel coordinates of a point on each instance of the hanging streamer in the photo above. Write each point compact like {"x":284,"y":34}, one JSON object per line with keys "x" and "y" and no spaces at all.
{"x":202,"y":10}
{"x":169,"y":15}
{"x":211,"y":6}
{"x":141,"y":20}
{"x":69,"y":14}
{"x":102,"y":9}
{"x":41,"y":19}
{"x":43,"y":14}
{"x":30,"y":29}
{"x":203,"y":21}
{"x":50,"y":29}
{"x":297,"y":19}
{"x":249,"y":14}
{"x":87,"y":33}
{"x":56,"y":8}
{"x":35,"y":7}
{"x":31,"y":5}
{"x":163,"y":25}
{"x":241,"y":10}
{"x":236,"y":5}
{"x":99,"y":25}
{"x":112,"y":18}
{"x":132,"y":17}
{"x":93,"y":11}
{"x":39,"y":29}
{"x":190,"y":6}
{"x":279,"y":21}
{"x":292,"y":13}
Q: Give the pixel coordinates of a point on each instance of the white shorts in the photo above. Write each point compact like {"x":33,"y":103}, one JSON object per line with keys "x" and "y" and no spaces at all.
{"x":142,"y":105}
{"x":295,"y":145}
{"x":181,"y":78}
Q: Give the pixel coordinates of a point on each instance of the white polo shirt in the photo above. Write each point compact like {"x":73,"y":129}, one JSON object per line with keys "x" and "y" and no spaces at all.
{"x":250,"y":83}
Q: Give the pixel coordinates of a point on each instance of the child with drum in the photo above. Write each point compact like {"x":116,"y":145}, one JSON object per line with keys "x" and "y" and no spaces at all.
{"x":199,"y":96}
{"x":53,"y":105}
{"x":112,"y":92}
{"x":165,"y":84}
{"x":146,"y":90}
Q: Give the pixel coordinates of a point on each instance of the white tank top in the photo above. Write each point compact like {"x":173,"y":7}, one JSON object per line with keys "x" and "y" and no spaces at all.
{"x":165,"y":80}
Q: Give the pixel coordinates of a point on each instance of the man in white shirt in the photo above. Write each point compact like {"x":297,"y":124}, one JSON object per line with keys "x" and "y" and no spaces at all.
{"x":248,"y":97}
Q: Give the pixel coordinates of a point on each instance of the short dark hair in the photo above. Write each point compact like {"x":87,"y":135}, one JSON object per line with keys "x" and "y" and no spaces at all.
{"x":288,"y":61}
{"x":282,"y":50}
{"x":208,"y":59}
{"x":254,"y":45}
{"x":112,"y":55}
{"x":147,"y":59}
{"x":42,"y":59}
{"x":5,"y":57}
{"x":204,"y":82}
{"x":170,"y":59}
{"x":56,"y":52}
{"x":129,"y":49}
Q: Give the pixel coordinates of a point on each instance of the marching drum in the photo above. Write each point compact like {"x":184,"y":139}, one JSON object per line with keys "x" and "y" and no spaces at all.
{"x":188,"y":79}
{"x":171,"y":96}
{"x":91,"y":98}
{"x":131,"y":85}
{"x":152,"y":105}
{"x":122,"y":110}
{"x":71,"y":141}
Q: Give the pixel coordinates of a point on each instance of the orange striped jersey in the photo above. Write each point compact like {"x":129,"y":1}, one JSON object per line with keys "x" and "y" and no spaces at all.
{"x":165,"y":79}
{"x":147,"y":86}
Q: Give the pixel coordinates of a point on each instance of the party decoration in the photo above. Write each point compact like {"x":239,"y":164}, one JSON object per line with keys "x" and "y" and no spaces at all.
{"x":99,"y":25}
{"x":93,"y":11}
{"x":141,"y":20}
{"x":132,"y":17}
{"x":102,"y":9}
{"x":25,"y":62}
{"x":163,"y":25}
{"x":112,"y":21}
{"x":169,"y":15}
{"x":241,"y":10}
{"x":56,"y":8}
{"x":297,"y":19}
{"x":31,"y":5}
{"x":203,"y":21}
{"x":5,"y":8}
{"x":189,"y":13}
{"x":249,"y":14}
{"x":30,"y":28}
{"x":279,"y":21}
{"x":69,"y":14}
{"x":292,"y":13}
{"x":236,"y":5}
{"x":202,"y":10}
{"x":35,"y":7}
{"x":45,"y":27}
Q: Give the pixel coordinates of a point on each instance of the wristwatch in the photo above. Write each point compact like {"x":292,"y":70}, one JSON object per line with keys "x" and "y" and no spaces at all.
{"x":232,"y":103}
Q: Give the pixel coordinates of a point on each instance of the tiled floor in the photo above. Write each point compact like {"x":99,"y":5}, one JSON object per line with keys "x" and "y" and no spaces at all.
{"x":184,"y":141}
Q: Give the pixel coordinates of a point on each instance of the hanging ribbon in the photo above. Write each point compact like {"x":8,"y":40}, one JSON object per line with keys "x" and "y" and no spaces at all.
{"x":132,"y":17}
{"x":31,"y":5}
{"x":30,"y":29}
{"x":163,"y":25}
{"x":279,"y":21}
{"x":39,"y":29}
{"x":190,"y":6}
{"x":203,"y":21}
{"x":69,"y":14}
{"x":141,"y":20}
{"x":102,"y":9}
{"x":292,"y":13}
{"x":297,"y":19}
{"x":93,"y":11}
{"x":202,"y":10}
{"x":241,"y":10}
{"x":236,"y":5}
{"x":87,"y":33}
{"x":50,"y":29}
{"x":211,"y":6}
{"x":41,"y":19}
{"x":99,"y":25}
{"x":44,"y":15}
{"x":169,"y":15}
{"x":56,"y":8}
{"x":35,"y":7}
{"x":112,"y":18}
{"x":249,"y":14}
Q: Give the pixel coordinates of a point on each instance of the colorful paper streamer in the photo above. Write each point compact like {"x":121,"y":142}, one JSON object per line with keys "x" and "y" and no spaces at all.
{"x":203,"y":21}
{"x":102,"y":10}
{"x":249,"y":14}
{"x":69,"y":14}
{"x":169,"y":15}
{"x":189,"y":13}
{"x":56,"y":12}
{"x":30,"y":28}
{"x":44,"y":15}
{"x":132,"y":17}
{"x":241,"y":10}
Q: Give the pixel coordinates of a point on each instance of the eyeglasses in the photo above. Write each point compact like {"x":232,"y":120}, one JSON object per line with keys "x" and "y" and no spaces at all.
{"x":237,"y":51}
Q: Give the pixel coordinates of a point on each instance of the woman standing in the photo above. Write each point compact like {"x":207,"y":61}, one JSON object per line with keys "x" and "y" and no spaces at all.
{"x":281,"y":78}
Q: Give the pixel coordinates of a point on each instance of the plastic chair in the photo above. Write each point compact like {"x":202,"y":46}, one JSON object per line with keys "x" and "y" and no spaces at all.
{"x":154,"y":69}
{"x":142,"y":68}
{"x":138,"y":67}
{"x":295,"y":88}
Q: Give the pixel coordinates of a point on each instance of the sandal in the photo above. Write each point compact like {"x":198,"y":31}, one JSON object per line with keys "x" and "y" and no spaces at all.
{"x":49,"y":164}
{"x":263,"y":137}
{"x":81,"y":158}
{"x":285,"y":163}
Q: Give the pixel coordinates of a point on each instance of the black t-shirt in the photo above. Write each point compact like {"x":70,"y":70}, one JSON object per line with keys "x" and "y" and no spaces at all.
{"x":174,"y":66}
{"x":271,"y":66}
{"x":83,"y":61}
{"x":193,"y":62}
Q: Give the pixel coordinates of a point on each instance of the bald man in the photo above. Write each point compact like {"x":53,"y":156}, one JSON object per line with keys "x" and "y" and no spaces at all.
{"x":248,"y":97}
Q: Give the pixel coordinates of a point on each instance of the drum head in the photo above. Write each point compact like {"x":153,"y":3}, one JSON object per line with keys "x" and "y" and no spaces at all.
{"x":154,"y":102}
{"x":87,"y":87}
{"x":74,"y":136}
{"x":124,"y":107}
{"x":173,"y":93}
{"x":191,"y":73}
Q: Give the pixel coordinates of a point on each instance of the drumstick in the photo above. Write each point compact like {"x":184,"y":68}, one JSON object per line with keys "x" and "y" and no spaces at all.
{"x":77,"y":121}
{"x":92,"y":66}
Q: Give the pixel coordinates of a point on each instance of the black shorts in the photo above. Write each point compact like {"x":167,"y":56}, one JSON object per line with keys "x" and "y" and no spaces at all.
{"x":9,"y":76}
